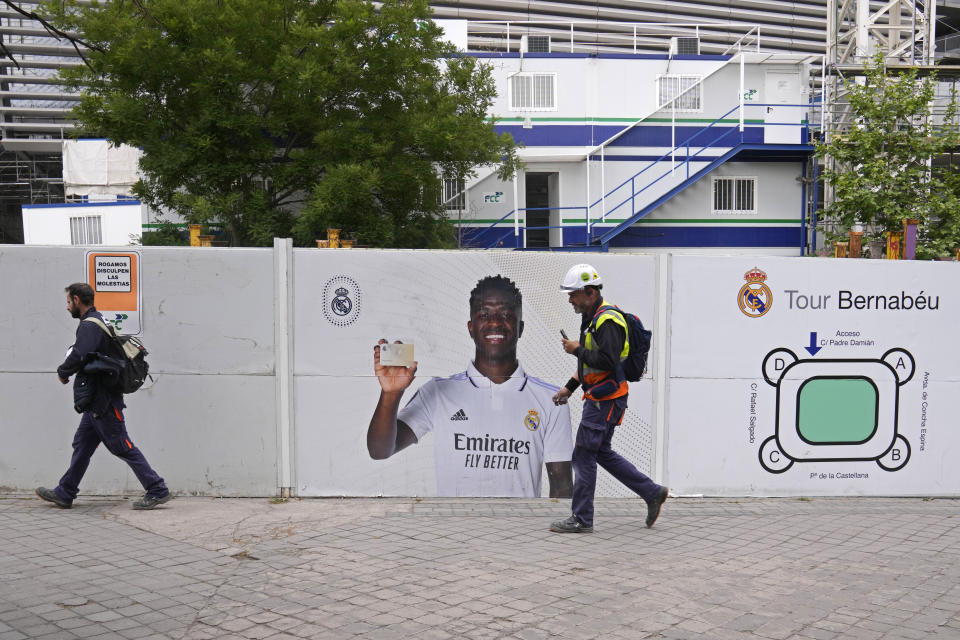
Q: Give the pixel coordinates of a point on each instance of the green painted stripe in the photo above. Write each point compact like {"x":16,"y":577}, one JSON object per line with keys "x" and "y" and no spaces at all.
{"x":509,"y":222}
{"x":178,"y":225}
{"x":612,"y":221}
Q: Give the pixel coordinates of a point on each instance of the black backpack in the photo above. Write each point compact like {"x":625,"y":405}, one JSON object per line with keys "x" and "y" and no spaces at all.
{"x":129,"y":351}
{"x":639,"y":339}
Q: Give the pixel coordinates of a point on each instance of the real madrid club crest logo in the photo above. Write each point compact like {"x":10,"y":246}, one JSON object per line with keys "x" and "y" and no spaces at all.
{"x":341,"y":300}
{"x":755,"y":297}
{"x":532,"y":421}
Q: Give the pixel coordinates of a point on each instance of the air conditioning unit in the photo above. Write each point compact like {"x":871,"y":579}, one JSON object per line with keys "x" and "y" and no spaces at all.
{"x":684,"y":46}
{"x":535,"y":44}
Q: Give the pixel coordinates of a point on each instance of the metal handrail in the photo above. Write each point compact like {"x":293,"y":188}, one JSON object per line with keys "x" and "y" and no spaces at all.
{"x":688,"y":160}
{"x":686,"y":144}
{"x":509,"y":213}
{"x":630,"y":31}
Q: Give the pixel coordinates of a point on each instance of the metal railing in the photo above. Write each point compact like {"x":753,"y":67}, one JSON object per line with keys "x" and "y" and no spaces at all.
{"x":494,"y":235}
{"x":573,"y":36}
{"x":688,"y":144}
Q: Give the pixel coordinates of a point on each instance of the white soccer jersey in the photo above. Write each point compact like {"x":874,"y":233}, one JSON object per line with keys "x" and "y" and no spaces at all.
{"x":490,"y":439}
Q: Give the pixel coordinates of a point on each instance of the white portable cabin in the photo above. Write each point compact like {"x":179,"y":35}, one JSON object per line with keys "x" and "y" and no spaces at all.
{"x":644,"y":151}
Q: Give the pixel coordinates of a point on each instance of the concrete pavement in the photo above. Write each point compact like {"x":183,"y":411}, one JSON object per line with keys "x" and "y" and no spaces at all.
{"x":479,"y":568}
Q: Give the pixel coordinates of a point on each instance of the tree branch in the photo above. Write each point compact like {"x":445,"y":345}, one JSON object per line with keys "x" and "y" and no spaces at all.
{"x":73,"y":39}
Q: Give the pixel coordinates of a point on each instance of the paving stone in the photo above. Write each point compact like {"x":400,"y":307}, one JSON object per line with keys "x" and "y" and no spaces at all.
{"x":748,"y":569}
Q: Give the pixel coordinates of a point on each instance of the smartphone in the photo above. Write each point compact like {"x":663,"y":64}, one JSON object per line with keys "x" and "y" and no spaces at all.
{"x":564,"y":334}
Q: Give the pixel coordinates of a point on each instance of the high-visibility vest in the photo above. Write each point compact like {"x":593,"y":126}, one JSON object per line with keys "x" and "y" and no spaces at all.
{"x":588,"y":374}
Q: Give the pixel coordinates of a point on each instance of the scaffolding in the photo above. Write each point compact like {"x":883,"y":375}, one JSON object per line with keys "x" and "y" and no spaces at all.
{"x":34,"y":117}
{"x":26,"y":178}
{"x":903,"y":34}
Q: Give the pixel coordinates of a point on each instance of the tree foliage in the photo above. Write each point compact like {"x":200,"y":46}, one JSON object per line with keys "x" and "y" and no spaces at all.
{"x":882,"y":172}
{"x":287,"y":116}
{"x":166,"y":235}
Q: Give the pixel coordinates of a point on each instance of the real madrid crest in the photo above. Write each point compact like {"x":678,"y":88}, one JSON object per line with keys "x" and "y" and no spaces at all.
{"x":532,"y":421}
{"x":341,"y":300}
{"x":755,"y":297}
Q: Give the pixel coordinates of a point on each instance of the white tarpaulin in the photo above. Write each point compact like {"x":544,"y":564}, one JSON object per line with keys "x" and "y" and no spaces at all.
{"x":92,"y":167}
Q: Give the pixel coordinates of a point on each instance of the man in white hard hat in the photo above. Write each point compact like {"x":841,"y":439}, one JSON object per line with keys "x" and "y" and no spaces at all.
{"x":494,"y":427}
{"x":603,"y":345}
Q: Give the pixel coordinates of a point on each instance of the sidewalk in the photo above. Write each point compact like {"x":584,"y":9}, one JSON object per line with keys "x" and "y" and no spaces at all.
{"x":432,"y":569}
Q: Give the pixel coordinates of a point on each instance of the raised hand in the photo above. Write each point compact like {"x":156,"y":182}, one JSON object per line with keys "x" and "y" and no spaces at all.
{"x":392,"y":379}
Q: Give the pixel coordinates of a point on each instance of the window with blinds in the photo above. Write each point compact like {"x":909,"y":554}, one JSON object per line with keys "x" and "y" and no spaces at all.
{"x":686,"y":90}
{"x":533,"y":92}
{"x":85,"y":230}
{"x":734,"y":196}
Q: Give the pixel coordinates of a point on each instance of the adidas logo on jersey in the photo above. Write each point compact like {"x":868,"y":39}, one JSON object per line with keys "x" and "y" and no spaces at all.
{"x":459,"y":415}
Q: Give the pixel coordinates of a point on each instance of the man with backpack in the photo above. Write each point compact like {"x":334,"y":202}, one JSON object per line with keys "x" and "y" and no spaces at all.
{"x":604,"y":352}
{"x":101,"y":406}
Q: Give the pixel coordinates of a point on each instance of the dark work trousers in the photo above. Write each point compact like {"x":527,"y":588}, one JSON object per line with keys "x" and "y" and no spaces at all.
{"x":111,"y":430}
{"x":599,"y":421}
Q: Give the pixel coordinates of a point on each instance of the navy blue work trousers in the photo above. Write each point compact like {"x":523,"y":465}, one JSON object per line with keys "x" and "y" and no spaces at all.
{"x":111,"y":430}
{"x":599,"y":421}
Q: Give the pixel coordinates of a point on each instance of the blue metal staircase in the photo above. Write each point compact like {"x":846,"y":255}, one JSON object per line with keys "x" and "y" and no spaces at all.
{"x":604,"y":239}
{"x":697,"y":165}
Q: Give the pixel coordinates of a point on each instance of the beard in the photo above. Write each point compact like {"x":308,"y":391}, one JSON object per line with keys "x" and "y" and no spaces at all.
{"x":75,"y":313}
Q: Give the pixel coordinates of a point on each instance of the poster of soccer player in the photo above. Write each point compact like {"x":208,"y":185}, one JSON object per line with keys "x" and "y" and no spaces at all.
{"x":433,"y":373}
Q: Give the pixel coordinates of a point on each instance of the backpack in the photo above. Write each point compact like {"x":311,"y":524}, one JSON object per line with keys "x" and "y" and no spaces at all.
{"x":639,"y":339}
{"x":131,"y":353}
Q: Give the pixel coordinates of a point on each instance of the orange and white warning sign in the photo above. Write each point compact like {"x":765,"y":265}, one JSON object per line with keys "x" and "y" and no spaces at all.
{"x":115,"y":278}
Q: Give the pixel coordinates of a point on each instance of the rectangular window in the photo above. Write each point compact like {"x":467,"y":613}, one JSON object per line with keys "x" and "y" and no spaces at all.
{"x":686,"y":90}
{"x":85,"y":230}
{"x":533,"y":92}
{"x":737,"y":196}
{"x":454,"y":198}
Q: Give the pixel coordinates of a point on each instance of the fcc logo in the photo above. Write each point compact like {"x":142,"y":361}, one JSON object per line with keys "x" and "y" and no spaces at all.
{"x":341,"y":301}
{"x":755,"y":297}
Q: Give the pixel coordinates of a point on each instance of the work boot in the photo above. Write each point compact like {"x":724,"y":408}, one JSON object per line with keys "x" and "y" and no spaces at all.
{"x":51,"y":496}
{"x":653,"y":507}
{"x":149,"y":502}
{"x":570,"y":525}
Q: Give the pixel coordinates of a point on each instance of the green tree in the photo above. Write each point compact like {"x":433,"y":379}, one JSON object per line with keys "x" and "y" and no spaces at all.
{"x":881,"y":171}
{"x":273,"y":117}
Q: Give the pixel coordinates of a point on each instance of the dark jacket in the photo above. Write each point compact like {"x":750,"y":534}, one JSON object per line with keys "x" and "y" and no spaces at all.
{"x":609,"y":339}
{"x":89,"y":391}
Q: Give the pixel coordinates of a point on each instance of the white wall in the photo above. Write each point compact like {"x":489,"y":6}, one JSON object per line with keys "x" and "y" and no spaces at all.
{"x":422,"y":298}
{"x":45,"y":224}
{"x":206,"y":422}
{"x":584,"y":84}
{"x":722,"y":409}
{"x":210,"y":423}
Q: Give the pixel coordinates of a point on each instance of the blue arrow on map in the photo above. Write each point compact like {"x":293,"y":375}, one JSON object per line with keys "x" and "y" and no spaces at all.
{"x":813,"y":348}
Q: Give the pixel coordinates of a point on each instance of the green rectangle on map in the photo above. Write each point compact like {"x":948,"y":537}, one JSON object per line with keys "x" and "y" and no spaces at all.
{"x":834,"y":410}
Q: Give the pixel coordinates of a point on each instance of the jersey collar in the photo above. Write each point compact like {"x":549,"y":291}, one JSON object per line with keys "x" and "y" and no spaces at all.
{"x":516,"y":382}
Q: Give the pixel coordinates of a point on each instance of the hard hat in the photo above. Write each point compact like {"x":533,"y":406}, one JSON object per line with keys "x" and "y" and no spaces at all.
{"x":580,"y":276}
